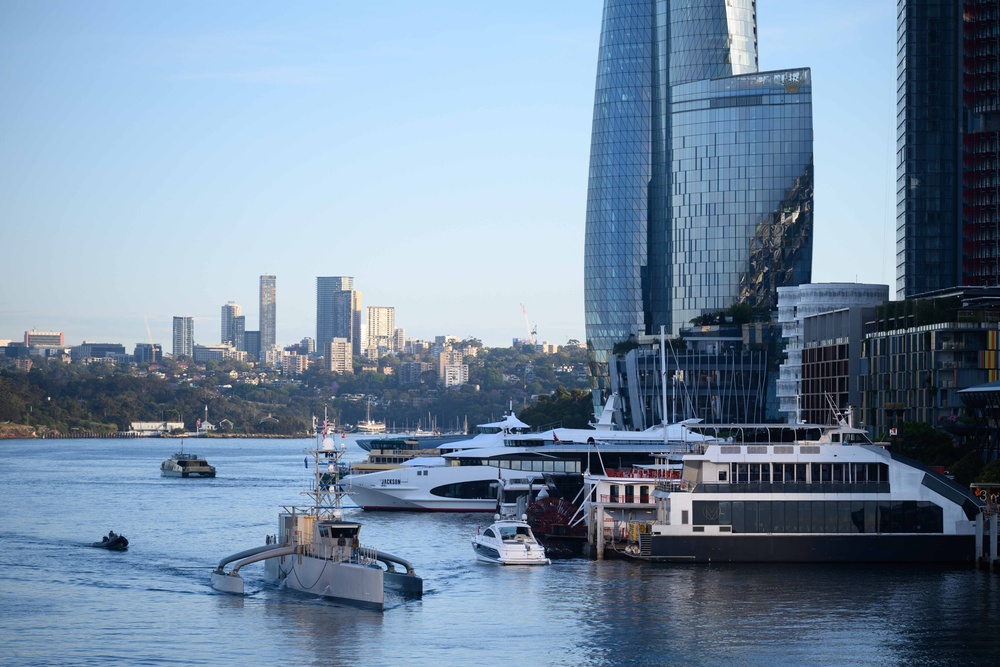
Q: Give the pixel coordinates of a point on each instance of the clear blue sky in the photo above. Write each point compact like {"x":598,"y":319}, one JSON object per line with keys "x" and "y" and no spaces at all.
{"x":157,"y":157}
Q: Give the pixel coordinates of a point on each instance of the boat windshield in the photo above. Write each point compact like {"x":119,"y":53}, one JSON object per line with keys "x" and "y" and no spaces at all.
{"x":511,"y":532}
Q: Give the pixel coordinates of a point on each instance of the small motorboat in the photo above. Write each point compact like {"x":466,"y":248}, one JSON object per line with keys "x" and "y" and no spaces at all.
{"x":509,"y":542}
{"x":112,"y":542}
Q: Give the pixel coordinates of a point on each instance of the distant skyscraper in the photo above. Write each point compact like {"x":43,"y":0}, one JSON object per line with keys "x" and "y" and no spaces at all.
{"x":268,"y":319}
{"x":251,"y":341}
{"x":230,"y":312}
{"x":239,"y":332}
{"x":700,"y":188}
{"x":148,"y":353}
{"x":948,"y":139}
{"x":338,"y":312}
{"x":183,"y":336}
{"x":380,"y":328}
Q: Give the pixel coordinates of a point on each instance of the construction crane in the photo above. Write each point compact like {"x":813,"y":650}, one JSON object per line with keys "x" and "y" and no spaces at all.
{"x":532,"y":331}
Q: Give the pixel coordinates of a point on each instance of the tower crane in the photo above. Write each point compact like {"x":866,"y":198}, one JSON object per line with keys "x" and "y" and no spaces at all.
{"x":532,"y":331}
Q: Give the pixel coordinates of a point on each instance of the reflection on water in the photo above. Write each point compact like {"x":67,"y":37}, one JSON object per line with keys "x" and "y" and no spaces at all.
{"x":67,"y":603}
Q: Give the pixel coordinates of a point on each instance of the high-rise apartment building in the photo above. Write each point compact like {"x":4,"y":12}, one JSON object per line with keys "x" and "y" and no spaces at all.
{"x":338,"y":312}
{"x":183,"y":336}
{"x":700,"y":191}
{"x":230,"y":312}
{"x":381,"y":326}
{"x":337,"y":355}
{"x":948,"y":139}
{"x":268,"y":317}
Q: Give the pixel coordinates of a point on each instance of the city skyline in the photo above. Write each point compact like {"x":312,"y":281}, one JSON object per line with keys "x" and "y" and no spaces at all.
{"x":157,"y":162}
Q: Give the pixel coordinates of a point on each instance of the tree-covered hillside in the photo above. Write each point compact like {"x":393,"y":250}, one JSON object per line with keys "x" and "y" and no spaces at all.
{"x":58,"y":397}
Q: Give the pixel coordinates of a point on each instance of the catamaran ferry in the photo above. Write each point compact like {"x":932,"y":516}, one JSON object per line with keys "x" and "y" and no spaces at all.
{"x":803,"y":493}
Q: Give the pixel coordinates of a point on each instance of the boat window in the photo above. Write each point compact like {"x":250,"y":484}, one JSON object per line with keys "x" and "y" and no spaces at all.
{"x":489,"y":533}
{"x":723,"y":475}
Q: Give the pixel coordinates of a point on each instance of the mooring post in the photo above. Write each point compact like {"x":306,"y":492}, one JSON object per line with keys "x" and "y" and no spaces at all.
{"x":600,"y":533}
{"x":993,"y":539}
{"x":979,"y":537}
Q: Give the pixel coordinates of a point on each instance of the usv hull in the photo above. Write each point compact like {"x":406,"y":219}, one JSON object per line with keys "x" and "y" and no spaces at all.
{"x":359,"y":584}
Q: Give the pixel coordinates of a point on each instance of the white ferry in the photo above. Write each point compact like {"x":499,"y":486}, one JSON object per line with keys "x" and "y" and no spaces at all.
{"x":797,"y":493}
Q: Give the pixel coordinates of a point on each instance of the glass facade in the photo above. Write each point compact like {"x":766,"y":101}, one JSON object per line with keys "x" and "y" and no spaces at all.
{"x":948,"y":119}
{"x":700,"y":183}
{"x":742,"y":204}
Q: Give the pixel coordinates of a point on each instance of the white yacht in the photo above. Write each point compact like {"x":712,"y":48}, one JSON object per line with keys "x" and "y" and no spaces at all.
{"x":418,"y":484}
{"x":183,"y":464}
{"x":509,"y":542}
{"x":316,"y":551}
{"x":369,"y":426}
{"x":789,"y":493}
{"x":468,"y":477}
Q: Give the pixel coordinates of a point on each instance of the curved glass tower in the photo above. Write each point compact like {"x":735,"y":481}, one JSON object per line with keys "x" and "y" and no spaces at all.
{"x":692,"y":204}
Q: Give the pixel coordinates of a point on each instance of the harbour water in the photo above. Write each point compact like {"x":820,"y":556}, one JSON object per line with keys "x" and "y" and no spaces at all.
{"x":64,"y":603}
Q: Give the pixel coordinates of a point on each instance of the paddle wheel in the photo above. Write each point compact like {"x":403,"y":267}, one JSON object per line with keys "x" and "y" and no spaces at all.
{"x":550,"y":519}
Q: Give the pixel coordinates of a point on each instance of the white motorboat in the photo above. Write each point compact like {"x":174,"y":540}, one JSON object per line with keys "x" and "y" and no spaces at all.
{"x":183,"y":464}
{"x":509,"y":542}
{"x":316,"y":551}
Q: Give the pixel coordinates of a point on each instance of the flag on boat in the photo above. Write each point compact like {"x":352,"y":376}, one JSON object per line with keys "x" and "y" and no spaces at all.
{"x":555,"y":437}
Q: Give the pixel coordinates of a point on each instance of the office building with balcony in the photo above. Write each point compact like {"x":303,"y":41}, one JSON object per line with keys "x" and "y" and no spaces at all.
{"x":948,"y":140}
{"x":918,"y":354}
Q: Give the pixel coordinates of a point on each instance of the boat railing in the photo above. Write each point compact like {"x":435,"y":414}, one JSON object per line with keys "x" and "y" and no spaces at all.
{"x":642,"y":473}
{"x":643,"y":499}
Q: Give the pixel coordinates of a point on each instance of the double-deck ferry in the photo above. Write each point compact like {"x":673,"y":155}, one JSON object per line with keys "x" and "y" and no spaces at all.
{"x":789,"y":493}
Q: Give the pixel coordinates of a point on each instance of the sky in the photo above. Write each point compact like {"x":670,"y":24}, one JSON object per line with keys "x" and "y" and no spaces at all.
{"x":157,"y":158}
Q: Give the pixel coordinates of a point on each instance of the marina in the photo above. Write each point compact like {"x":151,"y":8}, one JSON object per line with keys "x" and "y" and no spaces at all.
{"x":578,"y":611}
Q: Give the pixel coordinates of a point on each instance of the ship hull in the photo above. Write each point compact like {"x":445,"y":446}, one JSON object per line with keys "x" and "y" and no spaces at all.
{"x":955,"y":549}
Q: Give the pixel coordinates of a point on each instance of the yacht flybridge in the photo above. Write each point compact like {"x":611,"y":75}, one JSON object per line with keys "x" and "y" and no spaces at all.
{"x":787,"y":493}
{"x":316,"y":551}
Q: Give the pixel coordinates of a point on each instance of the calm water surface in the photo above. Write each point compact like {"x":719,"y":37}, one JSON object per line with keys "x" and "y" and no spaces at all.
{"x":64,"y":603}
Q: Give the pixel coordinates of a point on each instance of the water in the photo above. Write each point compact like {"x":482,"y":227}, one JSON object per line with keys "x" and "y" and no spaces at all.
{"x":64,"y":603}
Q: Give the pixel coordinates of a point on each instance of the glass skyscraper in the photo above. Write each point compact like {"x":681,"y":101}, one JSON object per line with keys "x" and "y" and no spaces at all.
{"x":338,"y":312}
{"x":947,"y":136}
{"x":700,"y":186}
{"x":268,"y":315}
{"x":183,"y":336}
